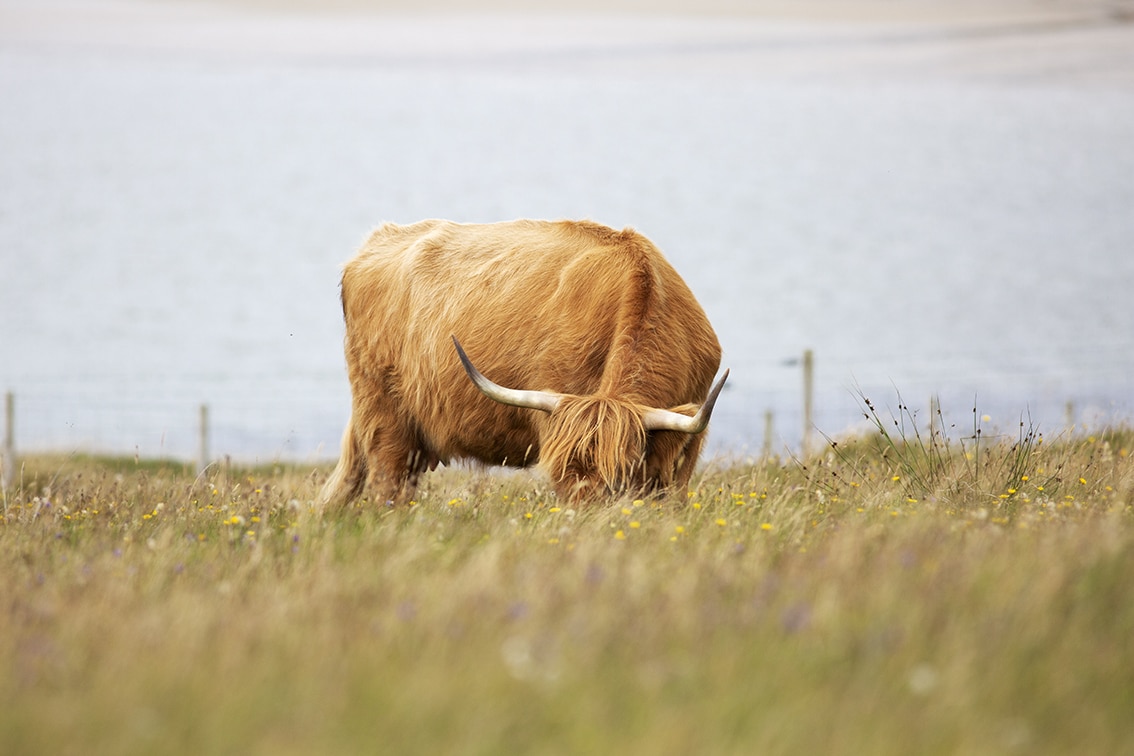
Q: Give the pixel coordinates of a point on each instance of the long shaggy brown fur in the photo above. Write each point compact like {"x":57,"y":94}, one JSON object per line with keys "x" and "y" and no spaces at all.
{"x":576,"y":308}
{"x":594,"y":442}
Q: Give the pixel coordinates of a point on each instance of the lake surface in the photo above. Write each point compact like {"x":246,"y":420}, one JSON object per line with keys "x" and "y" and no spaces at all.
{"x":173,"y":216}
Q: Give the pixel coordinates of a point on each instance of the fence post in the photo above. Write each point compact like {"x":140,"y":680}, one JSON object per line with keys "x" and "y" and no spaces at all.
{"x":8,"y":450}
{"x":808,"y":398}
{"x":203,"y":438}
{"x":768,"y":428}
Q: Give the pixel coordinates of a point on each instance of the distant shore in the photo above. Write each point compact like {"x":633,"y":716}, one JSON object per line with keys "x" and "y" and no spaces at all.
{"x":1076,"y":42}
{"x":872,"y":11}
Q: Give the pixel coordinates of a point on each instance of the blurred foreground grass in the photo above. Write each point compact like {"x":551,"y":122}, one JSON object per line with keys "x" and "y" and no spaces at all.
{"x":884,"y":597}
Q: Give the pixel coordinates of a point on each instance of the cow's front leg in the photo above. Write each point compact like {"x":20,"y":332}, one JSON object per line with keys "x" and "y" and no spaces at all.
{"x":396,"y":464}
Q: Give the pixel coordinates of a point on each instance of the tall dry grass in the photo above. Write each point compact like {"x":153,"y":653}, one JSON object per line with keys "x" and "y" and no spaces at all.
{"x":845,"y":603}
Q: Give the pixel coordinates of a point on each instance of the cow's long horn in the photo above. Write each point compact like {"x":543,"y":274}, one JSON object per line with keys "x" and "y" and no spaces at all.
{"x":537,"y":400}
{"x":659,"y":419}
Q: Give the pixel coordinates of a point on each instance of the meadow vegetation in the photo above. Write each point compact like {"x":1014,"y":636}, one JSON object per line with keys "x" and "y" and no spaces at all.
{"x":903,"y":592}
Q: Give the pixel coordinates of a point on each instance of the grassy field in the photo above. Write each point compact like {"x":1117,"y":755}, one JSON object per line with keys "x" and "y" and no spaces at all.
{"x":897,"y":594}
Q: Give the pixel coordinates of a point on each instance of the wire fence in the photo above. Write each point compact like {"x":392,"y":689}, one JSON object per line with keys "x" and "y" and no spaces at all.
{"x":199,"y":426}
{"x":301,"y":419}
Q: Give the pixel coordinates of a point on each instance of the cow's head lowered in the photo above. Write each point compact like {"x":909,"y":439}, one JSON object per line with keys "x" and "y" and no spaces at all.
{"x":593,"y":444}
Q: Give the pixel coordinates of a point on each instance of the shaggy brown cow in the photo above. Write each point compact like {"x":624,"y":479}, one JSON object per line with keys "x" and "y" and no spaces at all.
{"x":595,"y":319}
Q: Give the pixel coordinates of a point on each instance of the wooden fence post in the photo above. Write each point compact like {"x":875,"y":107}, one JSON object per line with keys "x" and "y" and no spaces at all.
{"x":808,"y":398}
{"x":203,"y":438}
{"x":768,"y":429}
{"x":8,"y":450}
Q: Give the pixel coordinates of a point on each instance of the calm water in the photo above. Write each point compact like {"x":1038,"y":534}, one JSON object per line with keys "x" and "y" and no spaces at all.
{"x":171,"y":228}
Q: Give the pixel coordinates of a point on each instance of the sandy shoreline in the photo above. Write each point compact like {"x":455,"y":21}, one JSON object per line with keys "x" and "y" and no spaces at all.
{"x":886,"y":11}
{"x":1068,"y":42}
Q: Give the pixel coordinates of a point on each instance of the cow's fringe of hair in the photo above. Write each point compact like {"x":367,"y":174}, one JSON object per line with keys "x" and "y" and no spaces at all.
{"x":595,"y":434}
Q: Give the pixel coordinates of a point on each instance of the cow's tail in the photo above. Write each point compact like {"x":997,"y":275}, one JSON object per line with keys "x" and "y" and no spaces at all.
{"x":349,"y":476}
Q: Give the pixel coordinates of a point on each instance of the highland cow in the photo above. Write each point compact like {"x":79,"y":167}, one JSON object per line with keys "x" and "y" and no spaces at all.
{"x":601,"y":360}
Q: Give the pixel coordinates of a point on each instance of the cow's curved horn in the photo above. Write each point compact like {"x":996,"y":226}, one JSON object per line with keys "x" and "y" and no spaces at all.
{"x":659,"y":419}
{"x":537,"y":400}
